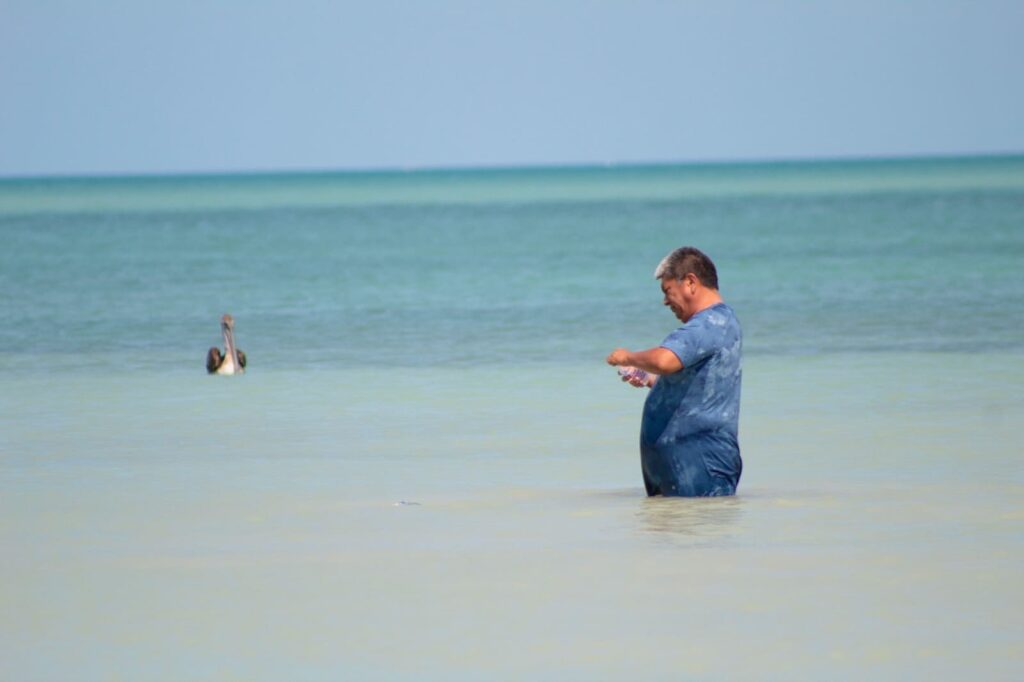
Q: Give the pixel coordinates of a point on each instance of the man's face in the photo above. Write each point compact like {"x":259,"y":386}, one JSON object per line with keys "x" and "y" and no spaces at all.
{"x":679,"y":296}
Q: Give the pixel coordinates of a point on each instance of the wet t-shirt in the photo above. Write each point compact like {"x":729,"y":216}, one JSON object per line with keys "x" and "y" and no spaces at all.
{"x":691,"y":417}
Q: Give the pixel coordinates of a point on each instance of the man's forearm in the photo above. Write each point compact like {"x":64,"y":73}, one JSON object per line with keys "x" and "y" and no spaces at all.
{"x":655,"y":360}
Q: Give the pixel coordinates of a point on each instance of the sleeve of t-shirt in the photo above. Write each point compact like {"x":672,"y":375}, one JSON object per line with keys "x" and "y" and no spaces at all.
{"x":691,"y":343}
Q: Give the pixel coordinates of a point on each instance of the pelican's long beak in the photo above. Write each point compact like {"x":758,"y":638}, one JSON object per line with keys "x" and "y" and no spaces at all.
{"x":227,"y":326}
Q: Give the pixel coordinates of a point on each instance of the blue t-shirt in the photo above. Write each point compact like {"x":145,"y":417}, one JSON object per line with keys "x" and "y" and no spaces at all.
{"x":694,"y":413}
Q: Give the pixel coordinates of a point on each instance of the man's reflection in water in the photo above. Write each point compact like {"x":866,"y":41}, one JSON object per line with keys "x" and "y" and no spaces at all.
{"x":691,"y":520}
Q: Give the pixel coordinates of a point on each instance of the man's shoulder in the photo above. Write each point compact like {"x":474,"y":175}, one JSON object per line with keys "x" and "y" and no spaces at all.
{"x":717,"y":315}
{"x":718,"y":326}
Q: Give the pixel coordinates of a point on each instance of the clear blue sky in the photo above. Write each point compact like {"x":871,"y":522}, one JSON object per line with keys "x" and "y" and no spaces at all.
{"x":141,"y":86}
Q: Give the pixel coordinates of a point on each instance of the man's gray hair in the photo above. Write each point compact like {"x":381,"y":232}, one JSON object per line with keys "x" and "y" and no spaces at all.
{"x":684,"y":261}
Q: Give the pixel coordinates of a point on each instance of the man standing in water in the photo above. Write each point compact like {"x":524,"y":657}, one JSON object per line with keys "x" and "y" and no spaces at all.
{"x":689,"y":434}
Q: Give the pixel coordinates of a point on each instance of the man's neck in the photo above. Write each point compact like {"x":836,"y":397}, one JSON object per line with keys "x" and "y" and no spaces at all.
{"x":707,"y":298}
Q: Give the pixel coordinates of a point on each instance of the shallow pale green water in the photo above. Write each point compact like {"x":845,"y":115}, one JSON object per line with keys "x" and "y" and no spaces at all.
{"x":877,"y":533}
{"x":157,"y":523}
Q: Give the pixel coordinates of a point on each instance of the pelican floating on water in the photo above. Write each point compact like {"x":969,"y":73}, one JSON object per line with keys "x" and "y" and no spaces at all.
{"x":233,"y":360}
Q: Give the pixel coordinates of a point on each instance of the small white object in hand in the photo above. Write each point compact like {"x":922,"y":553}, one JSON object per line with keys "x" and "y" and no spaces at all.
{"x":630,"y":373}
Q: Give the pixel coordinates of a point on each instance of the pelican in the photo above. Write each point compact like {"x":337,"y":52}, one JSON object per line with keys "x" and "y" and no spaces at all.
{"x":233,"y":360}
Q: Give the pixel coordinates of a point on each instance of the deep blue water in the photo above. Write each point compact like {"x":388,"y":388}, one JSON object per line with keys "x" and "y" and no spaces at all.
{"x":507,"y":267}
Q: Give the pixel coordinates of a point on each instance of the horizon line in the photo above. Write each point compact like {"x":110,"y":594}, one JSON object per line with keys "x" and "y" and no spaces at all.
{"x":511,"y":167}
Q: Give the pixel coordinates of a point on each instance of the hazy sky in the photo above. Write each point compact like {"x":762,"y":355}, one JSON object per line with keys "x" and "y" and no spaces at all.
{"x":160,"y":86}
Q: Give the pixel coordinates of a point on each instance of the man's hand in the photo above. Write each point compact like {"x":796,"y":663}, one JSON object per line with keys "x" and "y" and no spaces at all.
{"x":623,"y":358}
{"x":619,"y":356}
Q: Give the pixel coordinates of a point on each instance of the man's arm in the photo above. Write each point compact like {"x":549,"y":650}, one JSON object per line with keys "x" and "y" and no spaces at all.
{"x":656,"y":360}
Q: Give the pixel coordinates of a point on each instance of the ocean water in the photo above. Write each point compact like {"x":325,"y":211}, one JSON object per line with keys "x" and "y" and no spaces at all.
{"x":429,"y":472}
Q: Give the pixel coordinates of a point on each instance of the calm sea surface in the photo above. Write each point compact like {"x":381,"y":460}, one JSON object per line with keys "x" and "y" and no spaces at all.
{"x":428,"y":472}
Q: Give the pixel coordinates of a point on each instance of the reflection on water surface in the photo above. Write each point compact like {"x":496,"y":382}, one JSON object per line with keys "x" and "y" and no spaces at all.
{"x":691,"y":518}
